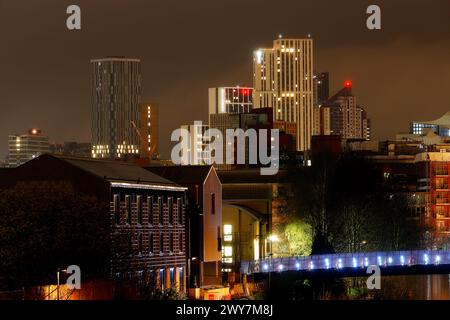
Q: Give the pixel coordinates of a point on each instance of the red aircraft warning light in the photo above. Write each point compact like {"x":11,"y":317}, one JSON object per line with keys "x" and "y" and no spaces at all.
{"x":348,"y":84}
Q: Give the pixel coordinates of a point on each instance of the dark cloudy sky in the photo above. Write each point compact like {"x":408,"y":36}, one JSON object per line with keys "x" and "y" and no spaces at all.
{"x":400,"y":73}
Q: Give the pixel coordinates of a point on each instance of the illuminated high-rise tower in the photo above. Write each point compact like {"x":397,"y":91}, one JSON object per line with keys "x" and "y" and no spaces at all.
{"x":347,"y":118}
{"x":283,"y":80}
{"x":116,"y":91}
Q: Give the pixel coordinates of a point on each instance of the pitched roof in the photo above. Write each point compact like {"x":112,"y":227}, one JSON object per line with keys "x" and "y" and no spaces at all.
{"x":117,"y":171}
{"x":183,"y":175}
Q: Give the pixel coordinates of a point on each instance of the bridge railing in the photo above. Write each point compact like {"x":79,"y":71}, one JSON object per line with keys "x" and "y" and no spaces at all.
{"x":348,"y":260}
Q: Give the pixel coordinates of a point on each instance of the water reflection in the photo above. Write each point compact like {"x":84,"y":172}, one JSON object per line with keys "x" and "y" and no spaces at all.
{"x":411,"y":287}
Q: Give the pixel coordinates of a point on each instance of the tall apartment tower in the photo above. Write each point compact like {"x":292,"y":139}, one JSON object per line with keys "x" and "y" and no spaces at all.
{"x":149,"y":130}
{"x":25,"y":147}
{"x":283,"y":80}
{"x":347,"y":119}
{"x":116,"y":92}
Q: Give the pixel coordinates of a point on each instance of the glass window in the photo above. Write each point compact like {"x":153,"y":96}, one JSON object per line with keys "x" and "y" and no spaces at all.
{"x":150,"y":242}
{"x":139,"y":209}
{"x":171,"y":242}
{"x":128,"y":208}
{"x":117,"y":208}
{"x":150,"y":209}
{"x":180,"y":242}
{"x":140,"y":243}
{"x":170,"y":209}
{"x":227,"y":254}
{"x":228,"y":251}
{"x":161,"y":242}
{"x":180,"y":211}
{"x":160,"y":211}
{"x":213,"y":203}
{"x":228,"y":232}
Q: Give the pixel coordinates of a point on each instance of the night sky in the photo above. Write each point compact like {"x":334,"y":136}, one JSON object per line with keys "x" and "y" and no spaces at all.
{"x":400,"y":74}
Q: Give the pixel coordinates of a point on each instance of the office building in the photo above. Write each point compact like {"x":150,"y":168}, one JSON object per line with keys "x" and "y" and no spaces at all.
{"x":116,"y":92}
{"x":283,"y":81}
{"x":25,"y":147}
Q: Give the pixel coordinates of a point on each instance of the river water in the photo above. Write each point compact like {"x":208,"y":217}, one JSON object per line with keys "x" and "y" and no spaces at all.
{"x":415,"y":287}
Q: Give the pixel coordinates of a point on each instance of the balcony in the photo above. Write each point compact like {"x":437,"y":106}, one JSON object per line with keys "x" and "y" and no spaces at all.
{"x":441,"y":173}
{"x":442,"y":187}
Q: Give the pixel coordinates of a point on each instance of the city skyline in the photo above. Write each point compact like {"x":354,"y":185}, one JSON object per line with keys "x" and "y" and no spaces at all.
{"x":237,"y":150}
{"x":61,"y":108}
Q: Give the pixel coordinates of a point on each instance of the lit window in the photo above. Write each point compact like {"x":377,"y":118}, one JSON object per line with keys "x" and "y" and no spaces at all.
{"x":227,"y":229}
{"x":227,"y":254}
{"x":116,"y":209}
{"x":228,"y":232}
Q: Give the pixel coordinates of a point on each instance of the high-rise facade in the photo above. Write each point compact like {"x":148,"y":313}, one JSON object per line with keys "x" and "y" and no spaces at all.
{"x":321,"y":88}
{"x":347,"y":119}
{"x":230,"y":100}
{"x":283,"y":80}
{"x":322,"y":121}
{"x":196,"y":154}
{"x":116,"y":92}
{"x":149,"y":130}
{"x":25,"y":147}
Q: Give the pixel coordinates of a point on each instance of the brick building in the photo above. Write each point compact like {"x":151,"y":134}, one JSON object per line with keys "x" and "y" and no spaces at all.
{"x":144,"y":208}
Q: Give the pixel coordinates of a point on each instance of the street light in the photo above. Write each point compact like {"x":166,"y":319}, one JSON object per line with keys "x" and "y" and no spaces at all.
{"x":272,"y":238}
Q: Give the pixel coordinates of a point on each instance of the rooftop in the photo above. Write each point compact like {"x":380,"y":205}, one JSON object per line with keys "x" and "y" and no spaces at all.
{"x":183,"y":175}
{"x":115,"y":171}
{"x":442,"y":121}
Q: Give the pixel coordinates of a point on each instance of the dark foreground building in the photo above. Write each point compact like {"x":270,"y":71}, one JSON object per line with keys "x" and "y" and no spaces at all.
{"x":204,"y":220}
{"x":144,"y":213}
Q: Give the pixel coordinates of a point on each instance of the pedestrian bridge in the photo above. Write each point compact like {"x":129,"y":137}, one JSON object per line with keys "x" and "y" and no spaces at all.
{"x":354,"y":263}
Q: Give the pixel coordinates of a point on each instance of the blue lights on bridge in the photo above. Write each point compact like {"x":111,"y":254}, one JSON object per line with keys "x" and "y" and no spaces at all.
{"x":349,"y":260}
